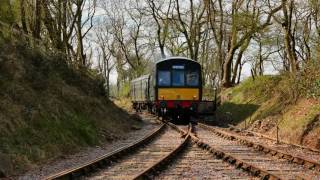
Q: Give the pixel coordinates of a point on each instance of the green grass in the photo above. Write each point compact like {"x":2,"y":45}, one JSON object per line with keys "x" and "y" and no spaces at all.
{"x":292,"y":101}
{"x":256,"y":90}
{"x":50,"y":135}
{"x":251,"y":100}
{"x":48,"y":109}
{"x":237,"y":112}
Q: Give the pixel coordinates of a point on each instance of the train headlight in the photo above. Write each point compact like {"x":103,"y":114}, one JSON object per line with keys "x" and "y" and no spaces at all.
{"x":193,"y":106}
{"x":194,"y":97}
{"x":163,"y":104}
{"x":162,"y":97}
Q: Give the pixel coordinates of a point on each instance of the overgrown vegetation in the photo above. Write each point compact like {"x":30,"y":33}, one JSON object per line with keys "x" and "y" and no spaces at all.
{"x":292,"y":102}
{"x":48,"y":109}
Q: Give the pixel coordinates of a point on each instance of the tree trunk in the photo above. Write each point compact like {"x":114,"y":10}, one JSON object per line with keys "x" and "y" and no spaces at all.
{"x":239,"y":75}
{"x":238,"y":61}
{"x":260,"y":60}
{"x":236,"y":67}
{"x":80,"y":48}
{"x":37,"y":20}
{"x":289,"y":40}
{"x":226,"y":81}
{"x":23,"y":16}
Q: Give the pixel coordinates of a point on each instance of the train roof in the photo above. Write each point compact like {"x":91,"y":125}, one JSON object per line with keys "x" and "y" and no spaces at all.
{"x":176,"y":57}
{"x":141,"y":78}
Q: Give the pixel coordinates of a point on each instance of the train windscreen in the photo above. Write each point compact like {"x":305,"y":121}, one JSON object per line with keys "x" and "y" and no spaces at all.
{"x":177,"y":77}
{"x":164,"y":78}
{"x":192,"y":78}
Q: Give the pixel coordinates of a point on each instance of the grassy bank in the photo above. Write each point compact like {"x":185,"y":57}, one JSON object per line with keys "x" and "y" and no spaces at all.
{"x":48,"y":109}
{"x":291,"y":102}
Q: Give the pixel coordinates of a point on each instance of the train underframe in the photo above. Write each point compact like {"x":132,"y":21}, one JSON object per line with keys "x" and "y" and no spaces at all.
{"x":179,"y":112}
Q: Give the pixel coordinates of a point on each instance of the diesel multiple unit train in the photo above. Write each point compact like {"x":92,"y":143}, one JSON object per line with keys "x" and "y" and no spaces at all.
{"x":173,"y":89}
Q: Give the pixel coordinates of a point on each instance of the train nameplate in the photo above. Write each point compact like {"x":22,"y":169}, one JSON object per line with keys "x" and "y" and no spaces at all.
{"x":178,"y":67}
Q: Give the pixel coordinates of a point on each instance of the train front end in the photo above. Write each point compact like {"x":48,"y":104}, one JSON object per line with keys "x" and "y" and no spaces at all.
{"x":178,"y":88}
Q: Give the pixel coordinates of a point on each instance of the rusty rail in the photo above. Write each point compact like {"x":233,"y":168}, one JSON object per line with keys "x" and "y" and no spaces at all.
{"x":86,"y":167}
{"x":220,"y":154}
{"x":164,"y":161}
{"x":274,"y":139}
{"x":268,"y":150}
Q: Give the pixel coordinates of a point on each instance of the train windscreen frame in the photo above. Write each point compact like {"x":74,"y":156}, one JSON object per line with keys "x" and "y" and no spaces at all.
{"x":164,"y":78}
{"x":184,"y":73}
{"x":178,"y":77}
{"x":192,"y":78}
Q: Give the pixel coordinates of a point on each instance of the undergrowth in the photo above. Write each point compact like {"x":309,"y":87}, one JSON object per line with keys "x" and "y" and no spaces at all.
{"x":290,"y":100}
{"x":49,"y":109}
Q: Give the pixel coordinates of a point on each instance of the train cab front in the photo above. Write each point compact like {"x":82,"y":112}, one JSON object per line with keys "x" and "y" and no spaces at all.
{"x":178,"y":91}
{"x":178,"y":111}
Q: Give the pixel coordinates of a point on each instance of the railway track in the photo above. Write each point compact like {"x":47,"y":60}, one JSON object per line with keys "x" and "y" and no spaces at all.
{"x":285,"y":144}
{"x":263,"y":162}
{"x":135,"y":161}
{"x":194,"y":162}
{"x":140,"y":164}
{"x":166,"y":154}
{"x":76,"y":172}
{"x":303,"y":154}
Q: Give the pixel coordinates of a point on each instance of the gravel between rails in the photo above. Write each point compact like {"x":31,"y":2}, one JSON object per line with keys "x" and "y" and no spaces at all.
{"x":274,"y":165}
{"x":196,"y":163}
{"x":286,"y":148}
{"x":131,"y":165}
{"x":89,"y":153}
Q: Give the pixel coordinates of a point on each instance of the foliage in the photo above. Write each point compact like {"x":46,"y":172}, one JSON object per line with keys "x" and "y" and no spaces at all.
{"x":271,"y":94}
{"x":309,"y":80}
{"x":262,"y":87}
{"x":49,"y":109}
{"x":7,"y":11}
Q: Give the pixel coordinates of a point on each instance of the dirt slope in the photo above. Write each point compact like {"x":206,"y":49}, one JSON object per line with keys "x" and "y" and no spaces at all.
{"x":263,"y":103}
{"x":48,"y":110}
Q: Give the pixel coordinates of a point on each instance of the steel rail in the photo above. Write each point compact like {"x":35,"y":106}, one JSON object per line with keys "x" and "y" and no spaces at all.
{"x":220,"y":154}
{"x":163,"y":161}
{"x":274,"y":139}
{"x":268,"y":150}
{"x":84,"y":168}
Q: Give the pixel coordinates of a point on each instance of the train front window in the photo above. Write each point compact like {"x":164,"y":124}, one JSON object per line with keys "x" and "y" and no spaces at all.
{"x":192,"y":78}
{"x":164,"y":78}
{"x":177,"y":77}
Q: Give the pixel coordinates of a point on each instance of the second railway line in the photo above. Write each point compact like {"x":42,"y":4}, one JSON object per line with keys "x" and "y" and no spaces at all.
{"x":186,"y":152}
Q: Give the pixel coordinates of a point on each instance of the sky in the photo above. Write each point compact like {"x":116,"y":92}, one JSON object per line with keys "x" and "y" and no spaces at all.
{"x":246,"y":72}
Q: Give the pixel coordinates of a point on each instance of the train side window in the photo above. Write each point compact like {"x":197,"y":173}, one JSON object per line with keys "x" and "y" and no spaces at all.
{"x":177,"y":77}
{"x":164,"y":78}
{"x":192,"y":78}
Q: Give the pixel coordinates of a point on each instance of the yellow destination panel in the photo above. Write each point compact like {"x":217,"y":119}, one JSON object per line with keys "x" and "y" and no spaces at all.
{"x":178,"y":94}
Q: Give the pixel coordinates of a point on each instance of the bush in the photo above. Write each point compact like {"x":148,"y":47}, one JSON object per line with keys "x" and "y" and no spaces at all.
{"x":309,"y":80}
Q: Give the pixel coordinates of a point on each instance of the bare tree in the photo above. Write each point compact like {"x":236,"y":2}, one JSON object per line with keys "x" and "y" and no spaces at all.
{"x":105,"y":60}
{"x":253,"y":25}
{"x":161,"y":18}
{"x":191,"y":27}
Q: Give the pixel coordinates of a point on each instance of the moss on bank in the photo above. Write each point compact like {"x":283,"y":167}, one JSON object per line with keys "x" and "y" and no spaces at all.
{"x":48,"y":109}
{"x":291,"y":102}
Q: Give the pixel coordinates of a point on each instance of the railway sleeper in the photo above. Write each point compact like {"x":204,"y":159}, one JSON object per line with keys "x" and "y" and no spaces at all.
{"x":73,"y":175}
{"x":233,"y":161}
{"x":239,"y":164}
{"x":264,"y":176}
{"x":266,"y":150}
{"x":288,"y":157}
{"x":303,"y":162}
{"x":297,"y":160}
